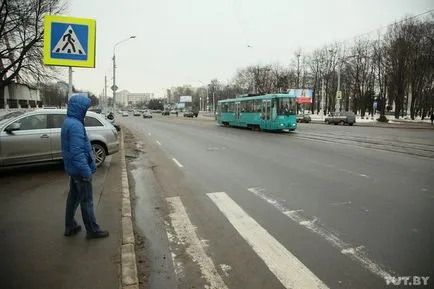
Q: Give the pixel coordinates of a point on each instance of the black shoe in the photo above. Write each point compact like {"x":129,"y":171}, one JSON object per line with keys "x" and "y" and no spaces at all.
{"x":73,"y":231}
{"x":97,"y":234}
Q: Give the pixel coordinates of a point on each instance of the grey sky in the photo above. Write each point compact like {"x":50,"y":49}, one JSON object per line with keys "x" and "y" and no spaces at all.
{"x":188,"y":41}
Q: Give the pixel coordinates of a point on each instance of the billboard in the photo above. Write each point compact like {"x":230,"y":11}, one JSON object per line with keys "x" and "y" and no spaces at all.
{"x":185,"y":98}
{"x":302,"y":95}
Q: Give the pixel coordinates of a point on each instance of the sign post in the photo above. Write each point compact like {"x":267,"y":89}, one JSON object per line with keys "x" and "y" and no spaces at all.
{"x":69,"y":41}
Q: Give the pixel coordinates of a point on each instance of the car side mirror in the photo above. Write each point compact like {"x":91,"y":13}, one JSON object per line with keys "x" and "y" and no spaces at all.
{"x":13,"y":127}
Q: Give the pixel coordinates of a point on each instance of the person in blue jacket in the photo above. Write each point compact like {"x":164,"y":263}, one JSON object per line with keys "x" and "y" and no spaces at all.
{"x":80,"y":166}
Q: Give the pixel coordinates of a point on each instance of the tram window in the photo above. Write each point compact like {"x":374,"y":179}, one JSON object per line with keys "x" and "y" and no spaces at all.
{"x":224,"y":107}
{"x":231,"y":107}
{"x":256,"y":106}
{"x":248,"y":106}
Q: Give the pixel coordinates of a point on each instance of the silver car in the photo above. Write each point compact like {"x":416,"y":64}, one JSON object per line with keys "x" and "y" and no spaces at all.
{"x":34,"y":137}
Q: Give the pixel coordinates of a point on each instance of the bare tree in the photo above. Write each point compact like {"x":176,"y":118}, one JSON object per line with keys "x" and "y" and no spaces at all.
{"x":21,"y":40}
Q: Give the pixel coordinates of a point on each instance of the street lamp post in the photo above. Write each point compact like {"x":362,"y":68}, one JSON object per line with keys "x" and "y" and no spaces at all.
{"x":207,"y":92}
{"x":298,"y":69}
{"x":114,"y":87}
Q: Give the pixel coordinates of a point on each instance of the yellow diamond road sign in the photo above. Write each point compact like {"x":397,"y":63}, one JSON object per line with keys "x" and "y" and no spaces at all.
{"x":69,"y":41}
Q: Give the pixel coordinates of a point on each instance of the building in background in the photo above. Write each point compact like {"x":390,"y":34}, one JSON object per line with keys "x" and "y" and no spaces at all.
{"x":126,"y":98}
{"x":19,"y":95}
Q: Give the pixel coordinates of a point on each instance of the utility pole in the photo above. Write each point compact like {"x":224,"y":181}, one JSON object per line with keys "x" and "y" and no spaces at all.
{"x":213,"y":101}
{"x":105,"y":89}
{"x":338,"y":93}
{"x":114,"y":81}
{"x":298,"y":70}
{"x":322,"y":96}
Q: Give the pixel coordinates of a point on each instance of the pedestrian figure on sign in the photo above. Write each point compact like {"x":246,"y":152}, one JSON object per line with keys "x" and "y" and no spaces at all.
{"x":80,"y":165}
{"x":69,"y":41}
{"x":432,"y":118}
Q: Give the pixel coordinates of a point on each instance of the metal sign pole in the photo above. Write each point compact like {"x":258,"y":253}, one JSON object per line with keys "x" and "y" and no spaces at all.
{"x":70,"y":83}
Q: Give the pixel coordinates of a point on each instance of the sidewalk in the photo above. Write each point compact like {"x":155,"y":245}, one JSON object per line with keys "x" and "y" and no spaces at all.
{"x":35,"y":254}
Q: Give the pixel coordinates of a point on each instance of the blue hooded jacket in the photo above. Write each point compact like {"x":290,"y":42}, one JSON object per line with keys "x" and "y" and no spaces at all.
{"x":76,"y":149}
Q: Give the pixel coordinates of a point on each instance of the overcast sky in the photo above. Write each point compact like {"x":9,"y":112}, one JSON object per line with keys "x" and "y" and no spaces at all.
{"x":192,"y":41}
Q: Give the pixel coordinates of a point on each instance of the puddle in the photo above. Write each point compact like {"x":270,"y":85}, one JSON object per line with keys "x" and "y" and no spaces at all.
{"x":150,"y":223}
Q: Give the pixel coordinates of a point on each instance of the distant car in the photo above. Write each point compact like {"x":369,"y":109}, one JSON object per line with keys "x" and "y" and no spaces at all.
{"x":136,"y":113}
{"x":190,"y":113}
{"x":34,"y":137}
{"x":97,"y":110}
{"x":124,"y":113}
{"x":303,"y":118}
{"x":147,"y":114}
{"x":341,"y":118}
{"x":166,"y":112}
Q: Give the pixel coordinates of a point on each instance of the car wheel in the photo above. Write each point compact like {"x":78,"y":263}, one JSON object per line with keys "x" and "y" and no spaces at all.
{"x":342,"y":122}
{"x":99,"y":154}
{"x":327,"y":122}
{"x":350,"y":124}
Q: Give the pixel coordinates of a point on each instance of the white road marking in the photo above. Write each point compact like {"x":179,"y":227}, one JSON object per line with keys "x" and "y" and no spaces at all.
{"x":341,"y":203}
{"x":333,"y":239}
{"x":185,"y":231}
{"x":178,"y":163}
{"x":290,"y":271}
{"x":158,"y":143}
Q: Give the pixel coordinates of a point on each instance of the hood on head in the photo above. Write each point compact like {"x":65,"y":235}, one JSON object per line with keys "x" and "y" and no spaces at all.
{"x":78,"y":106}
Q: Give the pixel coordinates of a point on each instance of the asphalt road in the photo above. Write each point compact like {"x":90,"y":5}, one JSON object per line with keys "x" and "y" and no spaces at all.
{"x":326,"y":206}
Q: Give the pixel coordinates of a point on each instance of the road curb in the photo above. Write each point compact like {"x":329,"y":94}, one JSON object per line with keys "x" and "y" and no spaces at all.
{"x":129,"y":276}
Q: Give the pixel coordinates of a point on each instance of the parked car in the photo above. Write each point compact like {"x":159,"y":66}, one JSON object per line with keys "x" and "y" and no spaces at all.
{"x":303,"y":118}
{"x":166,"y":112}
{"x":124,"y":113}
{"x":147,"y":114}
{"x":136,"y":113}
{"x":341,"y":118}
{"x":34,"y":137}
{"x":10,"y":115}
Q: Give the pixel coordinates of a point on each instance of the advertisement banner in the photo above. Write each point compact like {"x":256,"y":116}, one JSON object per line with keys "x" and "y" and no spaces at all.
{"x":302,"y":95}
{"x":185,"y":98}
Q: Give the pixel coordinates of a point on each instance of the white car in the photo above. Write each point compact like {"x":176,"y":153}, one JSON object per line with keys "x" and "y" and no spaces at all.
{"x":147,"y":114}
{"x":125,"y":113}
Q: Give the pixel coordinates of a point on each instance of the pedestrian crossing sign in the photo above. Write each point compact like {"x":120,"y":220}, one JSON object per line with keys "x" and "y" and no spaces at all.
{"x":69,"y":41}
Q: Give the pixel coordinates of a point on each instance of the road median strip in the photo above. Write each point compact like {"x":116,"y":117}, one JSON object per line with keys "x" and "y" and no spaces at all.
{"x":129,"y":276}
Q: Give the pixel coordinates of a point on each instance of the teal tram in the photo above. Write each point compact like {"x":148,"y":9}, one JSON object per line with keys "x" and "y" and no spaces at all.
{"x":274,"y":112}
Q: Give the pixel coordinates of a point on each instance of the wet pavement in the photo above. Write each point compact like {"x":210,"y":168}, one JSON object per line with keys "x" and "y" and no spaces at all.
{"x":338,"y":199}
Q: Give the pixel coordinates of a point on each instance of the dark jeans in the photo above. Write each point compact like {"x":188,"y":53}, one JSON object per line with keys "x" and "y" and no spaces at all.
{"x":80,"y":193}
